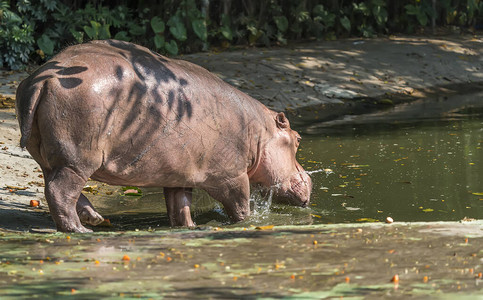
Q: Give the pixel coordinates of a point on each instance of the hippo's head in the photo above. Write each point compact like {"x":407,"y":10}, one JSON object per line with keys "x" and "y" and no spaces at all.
{"x":278,"y":166}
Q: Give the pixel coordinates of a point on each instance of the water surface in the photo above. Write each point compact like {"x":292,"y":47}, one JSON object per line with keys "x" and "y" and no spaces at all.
{"x":417,"y":171}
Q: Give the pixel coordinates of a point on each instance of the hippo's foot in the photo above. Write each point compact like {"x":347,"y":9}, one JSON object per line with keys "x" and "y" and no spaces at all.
{"x":86,"y":212}
{"x":178,"y":203}
{"x":62,"y":189}
{"x":90,"y":217}
{"x":70,"y":228}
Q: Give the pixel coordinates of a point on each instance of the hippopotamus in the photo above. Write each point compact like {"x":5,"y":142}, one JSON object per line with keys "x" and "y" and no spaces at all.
{"x":121,"y":114}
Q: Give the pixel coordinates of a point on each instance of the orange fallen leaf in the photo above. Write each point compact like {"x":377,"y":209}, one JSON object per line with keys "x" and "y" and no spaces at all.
{"x":425,"y":279}
{"x":268,"y":227}
{"x":126,"y":258}
{"x":105,"y":223}
{"x":347,"y":279}
{"x":34,"y":203}
{"x":395,"y":278}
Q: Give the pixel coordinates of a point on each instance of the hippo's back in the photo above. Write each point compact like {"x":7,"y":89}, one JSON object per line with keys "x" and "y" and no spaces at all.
{"x":142,"y":117}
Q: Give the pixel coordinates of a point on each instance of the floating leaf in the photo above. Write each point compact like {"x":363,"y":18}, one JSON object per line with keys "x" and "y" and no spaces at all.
{"x":428,"y":210}
{"x":367,"y":220}
{"x":267,"y":227}
{"x":132,"y":191}
{"x":477,"y":194}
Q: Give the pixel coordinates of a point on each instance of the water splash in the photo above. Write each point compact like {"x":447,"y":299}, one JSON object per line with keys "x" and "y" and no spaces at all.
{"x":326,"y":171}
{"x":260,"y":204}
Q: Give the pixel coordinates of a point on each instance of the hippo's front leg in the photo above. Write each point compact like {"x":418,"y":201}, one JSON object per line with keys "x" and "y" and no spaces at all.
{"x":178,"y":203}
{"x":234,"y":194}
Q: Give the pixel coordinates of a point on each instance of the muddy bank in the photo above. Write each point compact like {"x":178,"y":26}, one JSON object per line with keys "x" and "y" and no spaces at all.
{"x":431,"y":260}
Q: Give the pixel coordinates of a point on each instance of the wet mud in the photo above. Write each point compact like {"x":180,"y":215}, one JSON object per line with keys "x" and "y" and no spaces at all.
{"x":430,"y":260}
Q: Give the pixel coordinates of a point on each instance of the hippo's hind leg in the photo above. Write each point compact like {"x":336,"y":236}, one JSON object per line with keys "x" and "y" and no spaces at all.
{"x":234,"y":194}
{"x":63,"y":187}
{"x":86,"y":212}
{"x":178,"y":203}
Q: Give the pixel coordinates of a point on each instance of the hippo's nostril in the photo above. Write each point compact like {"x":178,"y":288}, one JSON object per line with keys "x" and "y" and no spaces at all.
{"x":305,"y":204}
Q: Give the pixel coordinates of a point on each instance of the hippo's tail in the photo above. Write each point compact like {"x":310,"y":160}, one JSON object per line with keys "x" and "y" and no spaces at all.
{"x":27,"y":98}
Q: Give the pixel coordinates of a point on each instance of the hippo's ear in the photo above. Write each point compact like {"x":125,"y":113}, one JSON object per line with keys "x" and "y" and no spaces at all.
{"x":282,"y":121}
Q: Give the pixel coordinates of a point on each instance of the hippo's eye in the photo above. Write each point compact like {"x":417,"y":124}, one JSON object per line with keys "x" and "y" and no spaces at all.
{"x":298,"y":139}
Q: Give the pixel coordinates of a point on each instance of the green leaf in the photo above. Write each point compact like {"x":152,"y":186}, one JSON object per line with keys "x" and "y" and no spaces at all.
{"x":171,"y":47}
{"x":199,"y":27}
{"x":159,"y":41}
{"x":78,"y":35}
{"x":380,"y":13}
{"x":137,"y":30}
{"x":93,"y":30}
{"x":422,"y":18}
{"x":346,"y":23}
{"x":132,"y":191}
{"x":281,"y":39}
{"x":281,"y":22}
{"x":411,"y":9}
{"x":226,"y":32}
{"x":177,"y":28}
{"x":157,"y":24}
{"x":319,"y":10}
{"x":362,"y":7}
{"x":104,"y":32}
{"x":225,"y":20}
{"x":45,"y":44}
{"x":122,"y":36}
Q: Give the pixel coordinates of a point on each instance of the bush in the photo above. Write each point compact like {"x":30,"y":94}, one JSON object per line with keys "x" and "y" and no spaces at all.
{"x":38,"y":29}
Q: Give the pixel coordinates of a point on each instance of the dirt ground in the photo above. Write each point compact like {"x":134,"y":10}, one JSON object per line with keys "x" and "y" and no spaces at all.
{"x":338,"y":78}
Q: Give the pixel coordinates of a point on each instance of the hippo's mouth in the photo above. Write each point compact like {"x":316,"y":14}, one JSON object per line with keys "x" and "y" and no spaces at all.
{"x":296,"y":192}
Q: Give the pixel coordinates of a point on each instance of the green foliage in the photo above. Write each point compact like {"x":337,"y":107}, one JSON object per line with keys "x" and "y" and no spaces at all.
{"x":16,"y":38}
{"x":36,"y":30}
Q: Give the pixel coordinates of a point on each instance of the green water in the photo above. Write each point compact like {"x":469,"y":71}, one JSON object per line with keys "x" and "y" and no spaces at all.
{"x":423,"y":171}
